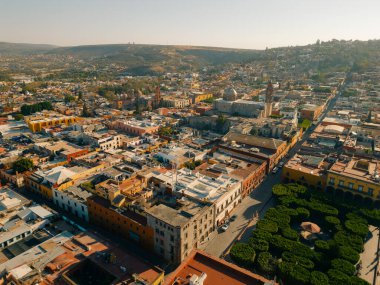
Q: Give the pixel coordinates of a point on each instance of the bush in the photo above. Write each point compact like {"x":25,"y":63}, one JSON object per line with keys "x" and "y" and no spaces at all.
{"x":322,"y":246}
{"x":242,"y":254}
{"x":279,"y":244}
{"x":293,"y":258}
{"x":294,"y":274}
{"x":261,"y":234}
{"x":354,"y":280}
{"x":259,"y":244}
{"x":289,"y":234}
{"x":318,"y":278}
{"x":345,"y":239}
{"x":373,"y":216}
{"x":337,"y":276}
{"x":278,"y":217}
{"x":302,"y":214}
{"x":356,"y":217}
{"x":266,"y":263}
{"x":279,"y":190}
{"x":343,"y":266}
{"x":348,"y":254}
{"x":331,"y":221}
{"x":356,"y":227}
{"x":268,"y":226}
{"x":287,"y":211}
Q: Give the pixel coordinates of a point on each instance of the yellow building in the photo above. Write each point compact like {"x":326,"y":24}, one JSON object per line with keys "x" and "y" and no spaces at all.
{"x":198,"y":97}
{"x":355,"y":178}
{"x":306,"y":170}
{"x":48,"y":119}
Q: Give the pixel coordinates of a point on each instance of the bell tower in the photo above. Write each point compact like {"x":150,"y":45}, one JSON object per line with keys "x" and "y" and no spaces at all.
{"x":268,"y":100}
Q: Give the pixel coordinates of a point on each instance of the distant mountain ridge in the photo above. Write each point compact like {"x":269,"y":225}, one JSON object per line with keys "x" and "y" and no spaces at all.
{"x":23,"y":48}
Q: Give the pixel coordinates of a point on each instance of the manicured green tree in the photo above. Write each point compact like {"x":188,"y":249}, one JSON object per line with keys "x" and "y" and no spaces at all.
{"x":22,"y":165}
{"x":261,"y":234}
{"x":243,"y":254}
{"x":289,"y":234}
{"x":280,"y":218}
{"x":293,"y":258}
{"x":354,"y":280}
{"x":348,"y":254}
{"x":302,"y":214}
{"x":356,"y":227}
{"x":343,"y":266}
{"x":322,"y":246}
{"x":373,"y":216}
{"x":343,"y":238}
{"x":293,"y":274}
{"x":279,"y":190}
{"x":356,"y":217}
{"x":278,"y":245}
{"x":267,"y":225}
{"x":318,"y":278}
{"x":259,"y":245}
{"x":266,"y":263}
{"x":338,"y":277}
{"x":287,"y":211}
{"x":331,"y":222}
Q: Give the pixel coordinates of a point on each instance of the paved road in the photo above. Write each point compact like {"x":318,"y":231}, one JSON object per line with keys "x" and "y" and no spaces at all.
{"x":369,"y":258}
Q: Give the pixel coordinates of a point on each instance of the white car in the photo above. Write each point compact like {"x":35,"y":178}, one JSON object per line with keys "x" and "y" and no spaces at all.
{"x":281,"y":164}
{"x":224,"y":227}
{"x":274,"y":170}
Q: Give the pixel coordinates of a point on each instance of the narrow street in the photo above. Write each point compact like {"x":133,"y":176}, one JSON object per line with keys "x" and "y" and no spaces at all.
{"x":369,"y":258}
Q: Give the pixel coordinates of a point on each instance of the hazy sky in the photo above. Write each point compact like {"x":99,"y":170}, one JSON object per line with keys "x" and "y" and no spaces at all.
{"x":226,"y":23}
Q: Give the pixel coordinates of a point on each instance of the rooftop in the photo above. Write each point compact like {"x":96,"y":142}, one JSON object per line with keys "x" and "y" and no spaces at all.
{"x":214,"y":271}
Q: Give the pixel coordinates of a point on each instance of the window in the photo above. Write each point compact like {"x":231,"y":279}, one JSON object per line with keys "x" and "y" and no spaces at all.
{"x":360,"y":188}
{"x":332,"y":181}
{"x":370,"y":191}
{"x":350,"y":185}
{"x":341,"y":183}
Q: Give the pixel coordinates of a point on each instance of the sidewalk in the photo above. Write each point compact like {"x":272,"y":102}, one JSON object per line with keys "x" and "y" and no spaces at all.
{"x":370,"y":259}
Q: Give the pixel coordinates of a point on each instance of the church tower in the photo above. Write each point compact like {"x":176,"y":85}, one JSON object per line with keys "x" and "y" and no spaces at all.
{"x":268,"y":100}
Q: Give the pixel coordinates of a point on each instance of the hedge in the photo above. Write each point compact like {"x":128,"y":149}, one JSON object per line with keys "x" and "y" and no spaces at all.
{"x":303,"y":214}
{"x":337,"y":276}
{"x":278,"y":217}
{"x":259,"y":244}
{"x":356,"y":227}
{"x":287,"y":211}
{"x":293,"y":258}
{"x":289,"y":234}
{"x":243,"y":254}
{"x":373,"y":216}
{"x":294,"y":274}
{"x":266,"y":263}
{"x":267,"y":225}
{"x":345,"y":239}
{"x":279,"y":244}
{"x":355,"y":216}
{"x":343,"y":266}
{"x":354,"y":280}
{"x":318,"y":278}
{"x":332,"y":221}
{"x":348,"y":254}
{"x":279,"y":190}
{"x":261,"y":234}
{"x":322,"y":246}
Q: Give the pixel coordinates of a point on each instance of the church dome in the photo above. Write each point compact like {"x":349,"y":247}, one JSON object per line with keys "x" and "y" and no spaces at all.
{"x":230,"y":94}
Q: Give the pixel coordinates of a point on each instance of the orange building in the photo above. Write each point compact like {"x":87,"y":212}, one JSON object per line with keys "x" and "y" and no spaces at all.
{"x":311,"y":112}
{"x":202,"y":268}
{"x":127,"y":223}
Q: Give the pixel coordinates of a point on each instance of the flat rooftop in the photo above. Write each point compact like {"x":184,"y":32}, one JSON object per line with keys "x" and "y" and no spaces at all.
{"x":359,"y":169}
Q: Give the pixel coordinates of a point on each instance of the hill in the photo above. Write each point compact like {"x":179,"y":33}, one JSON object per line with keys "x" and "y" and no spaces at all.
{"x":9,"y":49}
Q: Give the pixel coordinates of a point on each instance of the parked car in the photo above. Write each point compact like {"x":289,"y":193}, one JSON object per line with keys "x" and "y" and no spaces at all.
{"x":233,"y":218}
{"x":224,"y":227}
{"x":281,"y":164}
{"x":274,"y":170}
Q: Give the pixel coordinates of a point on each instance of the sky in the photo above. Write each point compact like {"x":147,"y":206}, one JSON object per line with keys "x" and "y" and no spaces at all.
{"x":250,"y":24}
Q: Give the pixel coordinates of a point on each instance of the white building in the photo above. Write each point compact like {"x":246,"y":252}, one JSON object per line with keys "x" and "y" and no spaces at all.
{"x":73,"y":200}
